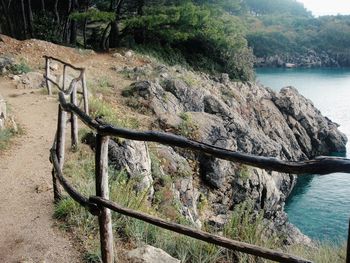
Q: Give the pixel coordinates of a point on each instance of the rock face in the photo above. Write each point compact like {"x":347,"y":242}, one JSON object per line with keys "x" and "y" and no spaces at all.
{"x":244,"y":117}
{"x":31,"y":80}
{"x":133,"y":158}
{"x":149,"y":254}
{"x":310,"y":59}
{"x":2,"y":112}
{"x":5,"y":64}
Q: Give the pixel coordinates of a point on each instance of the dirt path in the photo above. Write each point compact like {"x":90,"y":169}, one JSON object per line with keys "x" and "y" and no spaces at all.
{"x":27,"y":233}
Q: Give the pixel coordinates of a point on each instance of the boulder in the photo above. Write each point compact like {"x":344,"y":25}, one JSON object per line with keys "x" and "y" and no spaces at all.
{"x":133,"y":157}
{"x":129,"y":54}
{"x":149,"y":254}
{"x":316,"y":134}
{"x":31,"y":80}
{"x":190,"y":98}
{"x":5,"y":64}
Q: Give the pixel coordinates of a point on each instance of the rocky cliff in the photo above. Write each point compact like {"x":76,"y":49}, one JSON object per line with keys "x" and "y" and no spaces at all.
{"x":238,"y":116}
{"x":309,"y":59}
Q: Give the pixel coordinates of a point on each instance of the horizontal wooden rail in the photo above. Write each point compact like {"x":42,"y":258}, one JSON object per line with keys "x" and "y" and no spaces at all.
{"x":71,"y":85}
{"x":200,"y":235}
{"x":65,"y":63}
{"x":320,"y":165}
{"x":93,"y":208}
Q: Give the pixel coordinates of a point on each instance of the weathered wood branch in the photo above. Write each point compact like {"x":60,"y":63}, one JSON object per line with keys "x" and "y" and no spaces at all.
{"x":52,"y":82}
{"x":71,"y":85}
{"x":85,"y":93}
{"x":320,"y":165}
{"x":102,"y":190}
{"x":47,"y":76}
{"x":93,"y":208}
{"x":64,"y":63}
{"x":201,"y":235}
{"x":74,"y":119}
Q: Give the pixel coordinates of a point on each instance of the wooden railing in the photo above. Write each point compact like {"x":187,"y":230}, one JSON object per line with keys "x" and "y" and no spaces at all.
{"x":100,"y":205}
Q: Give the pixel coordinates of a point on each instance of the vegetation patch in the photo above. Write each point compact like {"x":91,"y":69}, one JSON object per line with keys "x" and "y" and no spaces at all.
{"x":187,"y":127}
{"x":20,"y":68}
{"x":5,"y":137}
{"x":244,"y":224}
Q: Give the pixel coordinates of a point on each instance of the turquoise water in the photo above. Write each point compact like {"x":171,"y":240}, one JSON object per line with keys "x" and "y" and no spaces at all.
{"x":319,"y":205}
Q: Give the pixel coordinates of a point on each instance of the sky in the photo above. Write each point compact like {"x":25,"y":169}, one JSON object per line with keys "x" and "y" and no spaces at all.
{"x":327,"y":7}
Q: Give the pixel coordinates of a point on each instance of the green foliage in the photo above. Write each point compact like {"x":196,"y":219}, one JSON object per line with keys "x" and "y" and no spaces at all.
{"x":20,"y":68}
{"x":248,"y":225}
{"x":45,"y":28}
{"x":99,"y":108}
{"x":244,"y":172}
{"x":5,"y":137}
{"x":292,"y":35}
{"x":245,"y":224}
{"x":263,"y":7}
{"x":207,"y":37}
{"x":322,"y":252}
{"x":187,"y":127}
{"x":93,"y":15}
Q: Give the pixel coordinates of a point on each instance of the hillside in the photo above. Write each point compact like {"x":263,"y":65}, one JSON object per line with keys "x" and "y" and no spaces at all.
{"x":137,"y":91}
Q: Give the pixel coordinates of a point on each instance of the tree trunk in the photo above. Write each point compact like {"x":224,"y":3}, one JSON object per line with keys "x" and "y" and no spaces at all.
{"x":65,"y":34}
{"x":114,"y":35}
{"x":57,"y":16}
{"x":73,"y":26}
{"x":139,"y":34}
{"x":24,"y":19}
{"x":103,"y":42}
{"x":73,"y":32}
{"x":30,"y":21}
{"x":43,"y":6}
{"x":6,"y":12}
{"x":84,"y":32}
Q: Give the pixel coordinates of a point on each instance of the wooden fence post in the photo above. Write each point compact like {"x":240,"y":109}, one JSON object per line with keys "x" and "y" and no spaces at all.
{"x":105,"y":218}
{"x":85,"y":94}
{"x":47,"y":73}
{"x":74,"y":119}
{"x":60,"y":144}
{"x":64,"y":76}
{"x":348,"y":246}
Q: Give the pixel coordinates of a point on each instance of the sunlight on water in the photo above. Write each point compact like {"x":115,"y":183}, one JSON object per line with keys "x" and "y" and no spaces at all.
{"x":319,"y":205}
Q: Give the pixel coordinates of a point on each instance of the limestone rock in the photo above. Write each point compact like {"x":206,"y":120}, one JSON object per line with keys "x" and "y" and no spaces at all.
{"x":5,"y":64}
{"x":315,"y":133}
{"x":244,"y":117}
{"x":31,"y":80}
{"x":187,"y":196}
{"x":129,"y":54}
{"x":133,"y":157}
{"x":149,"y":254}
{"x":190,"y":98}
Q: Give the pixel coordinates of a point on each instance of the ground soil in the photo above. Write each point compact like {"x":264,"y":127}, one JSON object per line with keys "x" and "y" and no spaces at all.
{"x":27,"y":230}
{"x":28,"y":233}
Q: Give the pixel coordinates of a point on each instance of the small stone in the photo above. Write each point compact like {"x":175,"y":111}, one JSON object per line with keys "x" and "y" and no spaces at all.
{"x":129,"y":54}
{"x":117,"y":55}
{"x":43,"y":188}
{"x":149,"y":254}
{"x":15,"y":78}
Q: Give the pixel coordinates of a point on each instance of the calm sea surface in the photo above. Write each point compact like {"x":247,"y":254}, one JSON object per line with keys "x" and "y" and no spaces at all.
{"x":319,"y":205}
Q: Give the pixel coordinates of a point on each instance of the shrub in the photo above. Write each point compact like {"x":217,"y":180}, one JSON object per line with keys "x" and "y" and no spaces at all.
{"x":20,"y":68}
